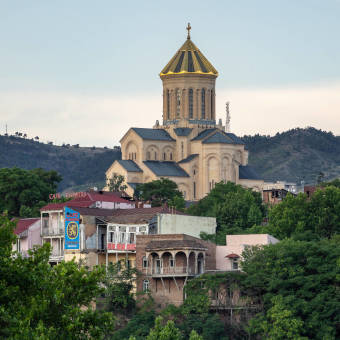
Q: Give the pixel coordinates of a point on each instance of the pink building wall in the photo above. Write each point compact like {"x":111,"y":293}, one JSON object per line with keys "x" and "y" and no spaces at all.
{"x":235,"y":244}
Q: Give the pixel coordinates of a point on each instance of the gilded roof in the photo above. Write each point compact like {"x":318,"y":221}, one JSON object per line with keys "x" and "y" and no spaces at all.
{"x":189,"y":60}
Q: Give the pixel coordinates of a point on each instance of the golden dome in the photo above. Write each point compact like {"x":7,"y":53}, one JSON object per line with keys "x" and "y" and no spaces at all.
{"x":189,"y":60}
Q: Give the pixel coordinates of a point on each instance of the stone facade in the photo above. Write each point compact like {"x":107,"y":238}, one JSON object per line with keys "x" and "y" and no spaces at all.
{"x":166,"y":262}
{"x":189,"y":147}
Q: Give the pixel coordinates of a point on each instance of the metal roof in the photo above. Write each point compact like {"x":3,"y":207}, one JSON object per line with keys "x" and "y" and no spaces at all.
{"x":204,"y":134}
{"x":247,"y":172}
{"x":129,"y":165}
{"x":153,"y":134}
{"x":189,"y":158}
{"x":182,"y":132}
{"x":218,"y":137}
{"x":171,"y":169}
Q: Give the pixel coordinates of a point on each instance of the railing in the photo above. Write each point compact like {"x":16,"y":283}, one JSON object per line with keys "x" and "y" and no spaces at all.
{"x":53,"y":231}
{"x":169,"y":271}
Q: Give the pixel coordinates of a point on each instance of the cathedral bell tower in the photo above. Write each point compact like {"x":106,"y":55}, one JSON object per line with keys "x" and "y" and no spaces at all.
{"x":189,"y":87}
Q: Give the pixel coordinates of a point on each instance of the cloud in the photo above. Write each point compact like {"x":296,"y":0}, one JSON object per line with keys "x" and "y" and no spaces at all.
{"x":103,"y":120}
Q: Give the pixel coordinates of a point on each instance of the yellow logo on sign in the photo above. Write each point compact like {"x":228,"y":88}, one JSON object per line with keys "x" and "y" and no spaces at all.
{"x":72,"y":230}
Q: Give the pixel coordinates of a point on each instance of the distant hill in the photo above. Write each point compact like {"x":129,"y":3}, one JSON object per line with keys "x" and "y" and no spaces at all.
{"x":294,"y":155}
{"x":77,"y":165}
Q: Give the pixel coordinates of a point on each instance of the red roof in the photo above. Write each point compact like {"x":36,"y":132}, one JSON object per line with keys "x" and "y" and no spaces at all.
{"x":232,"y":256}
{"x":87,"y":200}
{"x":23,"y":224}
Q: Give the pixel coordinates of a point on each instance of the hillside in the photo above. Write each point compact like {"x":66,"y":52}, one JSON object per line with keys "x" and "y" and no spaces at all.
{"x":294,"y":155}
{"x":77,"y":165}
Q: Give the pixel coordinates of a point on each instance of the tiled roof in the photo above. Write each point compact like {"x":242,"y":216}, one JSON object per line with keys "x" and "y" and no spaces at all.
{"x":171,"y":169}
{"x":189,"y":59}
{"x":130,"y":165}
{"x":189,"y":158}
{"x":182,"y":131}
{"x":218,"y":137}
{"x":174,"y":244}
{"x":138,"y":215}
{"x":94,"y":211}
{"x":204,"y":134}
{"x":23,"y":224}
{"x":60,"y":206}
{"x":153,"y":134}
{"x":247,"y":172}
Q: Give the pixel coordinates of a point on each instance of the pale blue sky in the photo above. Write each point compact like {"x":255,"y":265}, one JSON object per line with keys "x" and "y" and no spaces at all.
{"x":117,"y":48}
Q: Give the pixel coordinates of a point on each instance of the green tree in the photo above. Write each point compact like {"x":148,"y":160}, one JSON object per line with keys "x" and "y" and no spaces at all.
{"x":195,"y":336}
{"x":161,"y":191}
{"x":24,"y":192}
{"x":278,"y":324}
{"x":304,"y":218}
{"x":116,"y":183}
{"x":164,"y":332}
{"x":305,"y":275}
{"x":119,"y":285}
{"x":236,"y":209}
{"x":38,"y":301}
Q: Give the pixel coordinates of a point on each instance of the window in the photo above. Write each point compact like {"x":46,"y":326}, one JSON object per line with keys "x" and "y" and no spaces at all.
{"x":182,"y":149}
{"x":235,"y":264}
{"x":155,"y":156}
{"x":145,"y":285}
{"x":194,"y":189}
{"x":178,"y":103}
{"x":203,"y":103}
{"x":132,"y":238}
{"x":171,"y":156}
{"x":171,"y":262}
{"x":128,"y":264}
{"x":191,"y":103}
{"x":148,"y":156}
{"x":168,"y":103}
{"x":164,"y":156}
{"x":145,"y":262}
{"x":212,"y":104}
{"x":122,"y":238}
{"x":112,"y":237}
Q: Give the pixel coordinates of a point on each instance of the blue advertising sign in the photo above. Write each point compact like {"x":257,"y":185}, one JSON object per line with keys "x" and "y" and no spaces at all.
{"x":71,"y":229}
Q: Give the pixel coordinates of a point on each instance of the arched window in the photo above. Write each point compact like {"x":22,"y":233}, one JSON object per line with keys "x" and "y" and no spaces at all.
{"x":194,"y":189}
{"x":170,"y":156}
{"x":178,"y":103}
{"x":146,"y":285}
{"x":191,"y":103}
{"x":155,"y":156}
{"x":203,"y":103}
{"x":164,"y":156}
{"x":145,"y":262}
{"x":168,"y":104}
{"x":148,"y":156}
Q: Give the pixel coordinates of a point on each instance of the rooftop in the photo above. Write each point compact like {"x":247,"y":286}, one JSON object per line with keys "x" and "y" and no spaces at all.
{"x":23,"y":224}
{"x":129,"y":165}
{"x":153,"y":134}
{"x":247,"y":172}
{"x":170,"y":169}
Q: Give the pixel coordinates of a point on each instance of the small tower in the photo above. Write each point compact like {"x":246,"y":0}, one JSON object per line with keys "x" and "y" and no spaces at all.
{"x":189,"y":87}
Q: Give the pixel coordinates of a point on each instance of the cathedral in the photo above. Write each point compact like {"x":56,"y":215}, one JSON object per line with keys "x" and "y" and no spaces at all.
{"x":189,"y":147}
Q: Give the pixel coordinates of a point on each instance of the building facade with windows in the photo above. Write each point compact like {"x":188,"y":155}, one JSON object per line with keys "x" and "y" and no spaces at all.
{"x":189,"y":147}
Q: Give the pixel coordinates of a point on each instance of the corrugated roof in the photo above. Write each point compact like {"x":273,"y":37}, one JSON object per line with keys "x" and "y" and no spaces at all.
{"x":204,"y":134}
{"x":247,"y":172}
{"x":60,"y":206}
{"x":190,"y":60}
{"x":182,"y":132}
{"x":218,"y":137}
{"x":153,"y":134}
{"x":188,"y":159}
{"x":138,"y":215}
{"x":129,"y":165}
{"x":171,"y":169}
{"x":23,"y":224}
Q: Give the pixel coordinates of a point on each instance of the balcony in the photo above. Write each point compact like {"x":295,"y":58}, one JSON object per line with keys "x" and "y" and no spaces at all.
{"x":169,"y":271}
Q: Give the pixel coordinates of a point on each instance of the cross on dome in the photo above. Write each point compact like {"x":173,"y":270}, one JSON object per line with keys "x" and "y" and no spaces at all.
{"x":188,"y":29}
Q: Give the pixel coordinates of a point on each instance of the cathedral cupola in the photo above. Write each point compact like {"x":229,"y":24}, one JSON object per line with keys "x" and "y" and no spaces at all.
{"x":189,"y":86}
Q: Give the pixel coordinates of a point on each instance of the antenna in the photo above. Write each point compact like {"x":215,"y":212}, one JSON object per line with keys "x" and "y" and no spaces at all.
{"x":227,"y":124}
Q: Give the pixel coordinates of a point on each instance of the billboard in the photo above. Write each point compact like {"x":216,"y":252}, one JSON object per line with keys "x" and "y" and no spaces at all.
{"x":71,"y":229}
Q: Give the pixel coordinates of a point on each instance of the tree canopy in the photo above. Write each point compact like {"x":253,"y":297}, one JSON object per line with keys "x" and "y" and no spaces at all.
{"x":236,"y":209}
{"x":38,"y":301}
{"x":161,"y":191}
{"x":24,"y":192}
{"x":116,"y":183}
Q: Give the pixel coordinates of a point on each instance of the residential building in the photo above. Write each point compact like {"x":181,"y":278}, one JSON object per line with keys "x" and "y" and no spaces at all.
{"x":167,"y":262}
{"x":28,"y":235}
{"x":274,"y":196}
{"x":228,"y":257}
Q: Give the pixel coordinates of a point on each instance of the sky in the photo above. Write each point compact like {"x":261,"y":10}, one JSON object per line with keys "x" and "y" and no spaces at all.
{"x":81,"y":71}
